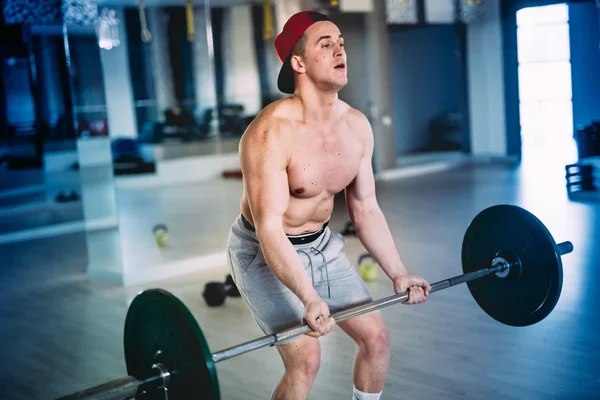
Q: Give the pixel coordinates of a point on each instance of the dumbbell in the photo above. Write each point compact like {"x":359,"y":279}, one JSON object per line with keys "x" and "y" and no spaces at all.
{"x":216,"y":292}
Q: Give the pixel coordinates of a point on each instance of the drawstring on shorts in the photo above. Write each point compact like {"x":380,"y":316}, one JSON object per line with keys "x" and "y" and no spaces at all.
{"x":310,"y":264}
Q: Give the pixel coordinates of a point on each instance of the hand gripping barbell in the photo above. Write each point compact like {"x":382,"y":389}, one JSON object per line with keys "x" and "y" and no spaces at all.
{"x":511,"y":264}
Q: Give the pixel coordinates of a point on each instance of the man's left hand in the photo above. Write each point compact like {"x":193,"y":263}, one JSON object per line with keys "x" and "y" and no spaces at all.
{"x":417,"y":287}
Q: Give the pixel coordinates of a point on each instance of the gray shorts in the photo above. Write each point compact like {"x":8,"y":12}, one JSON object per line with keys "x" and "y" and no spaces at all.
{"x":273,"y":305}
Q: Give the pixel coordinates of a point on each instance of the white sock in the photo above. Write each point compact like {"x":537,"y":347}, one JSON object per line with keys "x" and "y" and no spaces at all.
{"x":358,"y":395}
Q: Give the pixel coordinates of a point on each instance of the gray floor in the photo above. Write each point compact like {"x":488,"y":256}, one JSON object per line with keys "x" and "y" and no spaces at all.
{"x":62,"y":333}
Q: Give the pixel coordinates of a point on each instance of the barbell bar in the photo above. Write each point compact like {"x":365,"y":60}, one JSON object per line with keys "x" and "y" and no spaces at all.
{"x":166,"y":348}
{"x":375,"y":305}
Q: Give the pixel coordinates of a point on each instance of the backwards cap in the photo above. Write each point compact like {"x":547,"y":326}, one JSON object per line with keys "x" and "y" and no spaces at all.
{"x":285,"y":41}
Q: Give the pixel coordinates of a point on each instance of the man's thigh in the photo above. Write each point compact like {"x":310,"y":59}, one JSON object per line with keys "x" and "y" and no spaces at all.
{"x":300,"y":352}
{"x":363,"y":327}
{"x":274,"y":306}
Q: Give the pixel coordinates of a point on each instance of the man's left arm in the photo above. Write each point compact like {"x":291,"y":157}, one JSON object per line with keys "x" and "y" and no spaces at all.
{"x":371,"y":225}
{"x":369,"y":222}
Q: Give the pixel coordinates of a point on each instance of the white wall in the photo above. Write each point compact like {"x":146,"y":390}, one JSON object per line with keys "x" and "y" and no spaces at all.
{"x":242,"y":81}
{"x":203,"y":61}
{"x":117,"y":86}
{"x":284,"y":10}
{"x":486,"y":82}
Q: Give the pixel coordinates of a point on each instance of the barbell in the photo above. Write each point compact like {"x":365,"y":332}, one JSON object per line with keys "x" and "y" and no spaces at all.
{"x":511,"y":264}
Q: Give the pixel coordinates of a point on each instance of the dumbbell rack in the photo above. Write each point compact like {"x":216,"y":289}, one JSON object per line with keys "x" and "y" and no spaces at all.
{"x":583,"y":177}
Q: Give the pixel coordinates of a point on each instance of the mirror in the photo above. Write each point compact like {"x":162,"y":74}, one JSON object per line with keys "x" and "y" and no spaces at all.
{"x":162,"y":92}
{"x":39,"y":180}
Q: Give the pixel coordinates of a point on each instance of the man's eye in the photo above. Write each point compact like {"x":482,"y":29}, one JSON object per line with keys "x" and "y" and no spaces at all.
{"x":326,"y":45}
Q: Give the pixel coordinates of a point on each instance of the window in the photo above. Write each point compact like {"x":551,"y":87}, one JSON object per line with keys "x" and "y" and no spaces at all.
{"x":545,"y":80}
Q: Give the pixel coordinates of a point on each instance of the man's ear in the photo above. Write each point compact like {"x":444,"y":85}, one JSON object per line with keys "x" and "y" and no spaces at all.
{"x":297,"y":64}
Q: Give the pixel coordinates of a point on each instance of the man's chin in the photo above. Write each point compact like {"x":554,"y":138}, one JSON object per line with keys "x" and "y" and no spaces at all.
{"x":335,"y":85}
{"x":341,"y":84}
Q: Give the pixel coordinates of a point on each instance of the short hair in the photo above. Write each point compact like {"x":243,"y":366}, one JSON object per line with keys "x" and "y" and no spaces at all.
{"x":300,"y":46}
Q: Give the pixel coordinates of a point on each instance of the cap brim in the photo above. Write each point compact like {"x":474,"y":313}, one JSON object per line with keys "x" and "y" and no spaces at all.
{"x":285,"y":80}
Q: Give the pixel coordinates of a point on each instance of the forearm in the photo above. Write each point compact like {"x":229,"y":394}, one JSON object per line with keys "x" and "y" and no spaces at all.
{"x":282,"y":259}
{"x":374,"y":233}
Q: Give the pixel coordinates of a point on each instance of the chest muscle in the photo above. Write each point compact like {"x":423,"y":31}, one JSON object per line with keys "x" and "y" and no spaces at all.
{"x":323,"y":162}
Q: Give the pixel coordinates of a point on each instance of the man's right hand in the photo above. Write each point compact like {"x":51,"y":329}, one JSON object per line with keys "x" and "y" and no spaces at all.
{"x":316,"y":315}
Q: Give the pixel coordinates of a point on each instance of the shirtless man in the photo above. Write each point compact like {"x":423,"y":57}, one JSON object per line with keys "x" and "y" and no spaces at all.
{"x":288,"y":265}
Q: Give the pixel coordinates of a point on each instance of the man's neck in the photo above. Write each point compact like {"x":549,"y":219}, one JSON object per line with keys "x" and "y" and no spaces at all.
{"x":318,"y":106}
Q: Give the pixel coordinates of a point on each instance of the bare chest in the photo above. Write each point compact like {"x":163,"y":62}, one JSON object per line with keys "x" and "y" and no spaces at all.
{"x":323,"y":161}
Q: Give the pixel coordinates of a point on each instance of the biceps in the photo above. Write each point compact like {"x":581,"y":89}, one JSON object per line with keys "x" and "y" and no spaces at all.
{"x":360,"y":193}
{"x":268,"y":194}
{"x":267,"y":191}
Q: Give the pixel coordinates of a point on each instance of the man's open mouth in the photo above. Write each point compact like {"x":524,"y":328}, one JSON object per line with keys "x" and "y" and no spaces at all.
{"x":340,"y":66}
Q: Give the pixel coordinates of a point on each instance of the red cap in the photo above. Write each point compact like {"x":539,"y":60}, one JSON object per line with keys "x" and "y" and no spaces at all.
{"x":285,"y":41}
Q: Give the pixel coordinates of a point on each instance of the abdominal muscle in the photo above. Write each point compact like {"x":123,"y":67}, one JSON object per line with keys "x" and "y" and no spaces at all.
{"x":303,"y":215}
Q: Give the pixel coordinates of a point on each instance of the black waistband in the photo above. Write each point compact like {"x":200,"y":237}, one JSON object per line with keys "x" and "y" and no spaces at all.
{"x":299,"y":239}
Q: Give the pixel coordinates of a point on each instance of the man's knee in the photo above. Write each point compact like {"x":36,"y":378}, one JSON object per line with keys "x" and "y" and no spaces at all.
{"x":312,"y":363}
{"x":308,"y":364}
{"x":377,"y":340}
{"x":305,"y":360}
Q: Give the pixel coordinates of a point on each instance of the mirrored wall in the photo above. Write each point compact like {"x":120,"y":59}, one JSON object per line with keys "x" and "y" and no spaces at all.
{"x":171,"y":79}
{"x":162,"y":93}
{"x":130,"y":114}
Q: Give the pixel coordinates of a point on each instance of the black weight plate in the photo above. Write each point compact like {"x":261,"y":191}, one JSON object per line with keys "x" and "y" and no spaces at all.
{"x":160,"y":328}
{"x":528,"y":297}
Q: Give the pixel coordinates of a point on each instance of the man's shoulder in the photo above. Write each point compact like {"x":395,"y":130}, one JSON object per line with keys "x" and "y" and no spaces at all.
{"x":354,"y":114}
{"x":359,"y":126}
{"x":275,"y":114}
{"x":270,"y":123}
{"x":356,"y":119}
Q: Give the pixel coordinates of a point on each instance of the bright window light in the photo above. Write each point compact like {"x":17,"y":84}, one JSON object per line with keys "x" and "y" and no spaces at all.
{"x":543,"y":15}
{"x":545,"y":91}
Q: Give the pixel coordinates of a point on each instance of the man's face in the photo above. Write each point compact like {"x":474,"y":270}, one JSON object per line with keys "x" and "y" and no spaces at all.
{"x":325,"y":56}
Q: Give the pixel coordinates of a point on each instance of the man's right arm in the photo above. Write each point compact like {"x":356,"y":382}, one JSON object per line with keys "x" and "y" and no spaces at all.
{"x":264,"y":154}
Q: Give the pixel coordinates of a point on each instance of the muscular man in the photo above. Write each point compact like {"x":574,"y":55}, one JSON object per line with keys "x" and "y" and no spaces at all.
{"x":287,"y":263}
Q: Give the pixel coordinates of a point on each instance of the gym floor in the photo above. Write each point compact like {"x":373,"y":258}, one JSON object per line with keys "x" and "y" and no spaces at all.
{"x":61,"y":333}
